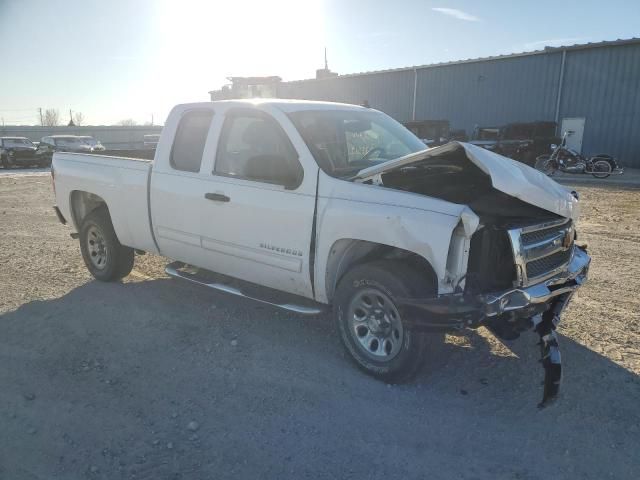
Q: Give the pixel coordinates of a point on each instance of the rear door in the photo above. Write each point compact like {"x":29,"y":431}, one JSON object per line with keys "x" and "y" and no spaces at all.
{"x":177,"y":186}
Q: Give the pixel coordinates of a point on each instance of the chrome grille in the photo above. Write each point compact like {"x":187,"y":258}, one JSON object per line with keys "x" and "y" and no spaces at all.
{"x":546,"y":264}
{"x":540,"y":235}
{"x":540,"y":250}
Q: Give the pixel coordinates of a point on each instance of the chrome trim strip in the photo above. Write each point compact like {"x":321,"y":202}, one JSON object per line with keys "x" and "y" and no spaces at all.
{"x":302,"y":310}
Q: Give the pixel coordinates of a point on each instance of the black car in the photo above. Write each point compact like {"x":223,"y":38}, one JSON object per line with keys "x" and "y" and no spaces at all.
{"x":19,"y":151}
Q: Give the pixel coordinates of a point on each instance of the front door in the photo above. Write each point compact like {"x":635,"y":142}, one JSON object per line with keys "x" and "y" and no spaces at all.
{"x":257,"y":218}
{"x":575,"y":128}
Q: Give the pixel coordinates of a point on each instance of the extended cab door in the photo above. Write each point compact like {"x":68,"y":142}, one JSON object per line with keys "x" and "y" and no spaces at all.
{"x":233,"y":198}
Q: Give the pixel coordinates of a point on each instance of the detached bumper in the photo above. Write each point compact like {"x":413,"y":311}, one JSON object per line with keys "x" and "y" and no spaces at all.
{"x":510,"y":312}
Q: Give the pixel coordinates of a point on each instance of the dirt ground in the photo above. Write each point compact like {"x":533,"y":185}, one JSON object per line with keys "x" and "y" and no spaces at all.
{"x":156,"y":379}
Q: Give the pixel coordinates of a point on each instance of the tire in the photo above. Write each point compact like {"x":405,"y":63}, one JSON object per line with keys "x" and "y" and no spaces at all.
{"x":602,"y":167}
{"x":544,"y":165}
{"x":401,"y":352}
{"x":105,"y":257}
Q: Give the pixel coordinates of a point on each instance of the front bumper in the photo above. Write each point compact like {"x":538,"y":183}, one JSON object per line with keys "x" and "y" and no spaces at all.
{"x":457,"y":311}
{"x":508,"y":313}
{"x":531,"y":297}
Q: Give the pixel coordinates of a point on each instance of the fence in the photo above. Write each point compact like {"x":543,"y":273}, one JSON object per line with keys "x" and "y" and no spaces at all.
{"x":112,"y":137}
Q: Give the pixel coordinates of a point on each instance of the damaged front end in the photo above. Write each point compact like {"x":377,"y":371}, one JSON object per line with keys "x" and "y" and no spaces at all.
{"x":537,"y":304}
{"x":517,"y":268}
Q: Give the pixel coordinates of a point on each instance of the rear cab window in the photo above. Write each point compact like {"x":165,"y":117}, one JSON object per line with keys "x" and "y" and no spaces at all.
{"x":190,"y":139}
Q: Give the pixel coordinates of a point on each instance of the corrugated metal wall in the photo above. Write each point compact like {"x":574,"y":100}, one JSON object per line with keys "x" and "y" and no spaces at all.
{"x":391,"y":92}
{"x":599,"y":83}
{"x":490,"y":93}
{"x":112,"y":137}
{"x":603,"y":86}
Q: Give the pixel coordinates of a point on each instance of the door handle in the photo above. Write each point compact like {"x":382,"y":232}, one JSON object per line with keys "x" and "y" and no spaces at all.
{"x":216,"y":197}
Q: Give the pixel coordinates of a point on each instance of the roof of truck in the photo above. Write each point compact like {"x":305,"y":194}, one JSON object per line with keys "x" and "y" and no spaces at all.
{"x":292,"y":105}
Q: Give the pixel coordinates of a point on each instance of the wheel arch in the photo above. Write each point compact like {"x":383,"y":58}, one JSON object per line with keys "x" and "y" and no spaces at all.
{"x":82,"y":204}
{"x":346,"y":253}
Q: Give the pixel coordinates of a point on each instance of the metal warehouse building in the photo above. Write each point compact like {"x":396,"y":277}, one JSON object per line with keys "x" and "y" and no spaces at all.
{"x":593,"y":87}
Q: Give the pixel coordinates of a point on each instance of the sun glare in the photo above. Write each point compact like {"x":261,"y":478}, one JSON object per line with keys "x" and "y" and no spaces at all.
{"x":201,"y":43}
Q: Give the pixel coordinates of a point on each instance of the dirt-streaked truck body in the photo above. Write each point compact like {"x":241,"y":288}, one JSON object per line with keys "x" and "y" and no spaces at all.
{"x":330,"y":204}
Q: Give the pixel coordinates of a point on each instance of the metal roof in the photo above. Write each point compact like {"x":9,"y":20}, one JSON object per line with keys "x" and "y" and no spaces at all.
{"x":546,"y":50}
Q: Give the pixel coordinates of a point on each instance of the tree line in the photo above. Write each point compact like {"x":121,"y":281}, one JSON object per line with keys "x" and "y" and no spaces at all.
{"x":51,"y":118}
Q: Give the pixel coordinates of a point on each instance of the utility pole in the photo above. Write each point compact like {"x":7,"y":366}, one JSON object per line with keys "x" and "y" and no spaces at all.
{"x":152,"y":119}
{"x":41,"y":120}
{"x":71,"y":124}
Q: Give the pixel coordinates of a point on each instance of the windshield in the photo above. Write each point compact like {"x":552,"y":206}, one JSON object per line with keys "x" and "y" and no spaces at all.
{"x":89,"y":141}
{"x":17,"y":142}
{"x":68,"y":141}
{"x":344,"y":142}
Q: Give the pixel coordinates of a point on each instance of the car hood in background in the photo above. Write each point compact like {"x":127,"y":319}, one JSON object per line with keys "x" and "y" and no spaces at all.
{"x":508,"y":176}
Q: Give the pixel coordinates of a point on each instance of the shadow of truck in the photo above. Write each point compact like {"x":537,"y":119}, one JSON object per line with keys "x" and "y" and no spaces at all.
{"x":105,"y":380}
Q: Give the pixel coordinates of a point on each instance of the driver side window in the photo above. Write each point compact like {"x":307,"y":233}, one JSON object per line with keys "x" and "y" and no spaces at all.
{"x":253,"y":147}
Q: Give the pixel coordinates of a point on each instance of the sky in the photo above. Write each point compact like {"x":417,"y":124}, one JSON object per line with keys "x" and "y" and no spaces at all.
{"x":120,"y":59}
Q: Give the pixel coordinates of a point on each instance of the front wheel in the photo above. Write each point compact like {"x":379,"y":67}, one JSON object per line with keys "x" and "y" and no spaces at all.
{"x":546,"y":165}
{"x":370,"y":325}
{"x":105,"y":257}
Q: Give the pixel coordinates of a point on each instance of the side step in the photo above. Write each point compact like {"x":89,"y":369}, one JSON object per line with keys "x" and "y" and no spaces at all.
{"x":239,"y":288}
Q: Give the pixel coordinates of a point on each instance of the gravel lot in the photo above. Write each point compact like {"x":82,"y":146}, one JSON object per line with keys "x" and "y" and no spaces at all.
{"x":156,"y":379}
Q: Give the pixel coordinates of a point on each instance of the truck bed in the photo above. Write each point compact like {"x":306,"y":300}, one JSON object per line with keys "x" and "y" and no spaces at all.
{"x":122,"y":182}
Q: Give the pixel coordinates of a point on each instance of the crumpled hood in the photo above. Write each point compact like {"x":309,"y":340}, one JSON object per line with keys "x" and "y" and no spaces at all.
{"x":508,"y":176}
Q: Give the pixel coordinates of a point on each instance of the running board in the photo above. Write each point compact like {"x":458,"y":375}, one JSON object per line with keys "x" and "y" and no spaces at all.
{"x":223,"y":283}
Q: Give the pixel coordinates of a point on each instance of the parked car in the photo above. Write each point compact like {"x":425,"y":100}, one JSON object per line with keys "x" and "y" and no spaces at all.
{"x":95,"y":145}
{"x":62,"y":143}
{"x":313,"y":205}
{"x":519,"y":141}
{"x":18,"y":151}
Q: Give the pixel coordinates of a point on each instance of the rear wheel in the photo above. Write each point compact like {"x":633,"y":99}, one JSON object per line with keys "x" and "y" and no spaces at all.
{"x":370,"y":325}
{"x":601,"y":168}
{"x":105,"y":257}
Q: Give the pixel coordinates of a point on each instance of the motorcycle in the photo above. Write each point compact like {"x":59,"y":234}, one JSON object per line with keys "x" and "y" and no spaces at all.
{"x":564,"y":159}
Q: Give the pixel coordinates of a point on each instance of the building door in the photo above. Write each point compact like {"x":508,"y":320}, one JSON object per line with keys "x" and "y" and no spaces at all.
{"x":575,"y":127}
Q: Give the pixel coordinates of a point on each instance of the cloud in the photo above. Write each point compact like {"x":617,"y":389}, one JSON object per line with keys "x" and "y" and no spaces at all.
{"x":455,"y":13}
{"x":553,"y":42}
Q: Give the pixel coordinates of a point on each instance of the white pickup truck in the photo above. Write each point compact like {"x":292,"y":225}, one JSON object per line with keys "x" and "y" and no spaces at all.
{"x":306,"y":205}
